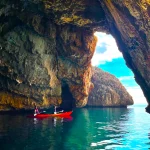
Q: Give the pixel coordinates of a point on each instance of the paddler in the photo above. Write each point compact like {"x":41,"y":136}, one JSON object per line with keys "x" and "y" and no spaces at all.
{"x":36,"y":111}
{"x":55,"y":110}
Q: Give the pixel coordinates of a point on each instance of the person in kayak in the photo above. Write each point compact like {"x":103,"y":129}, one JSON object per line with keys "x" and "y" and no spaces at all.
{"x":36,"y":111}
{"x":57,"y":112}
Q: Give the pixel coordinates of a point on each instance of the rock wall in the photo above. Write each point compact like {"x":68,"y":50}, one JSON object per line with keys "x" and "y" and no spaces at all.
{"x":40,"y":53}
{"x":129,"y":23}
{"x":108,"y":91}
{"x":45,"y":44}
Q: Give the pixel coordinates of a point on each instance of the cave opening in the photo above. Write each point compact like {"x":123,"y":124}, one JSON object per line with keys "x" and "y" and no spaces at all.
{"x":108,"y":58}
{"x":68,"y":102}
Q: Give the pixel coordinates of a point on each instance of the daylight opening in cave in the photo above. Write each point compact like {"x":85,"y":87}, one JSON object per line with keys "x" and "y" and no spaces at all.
{"x":110,"y":59}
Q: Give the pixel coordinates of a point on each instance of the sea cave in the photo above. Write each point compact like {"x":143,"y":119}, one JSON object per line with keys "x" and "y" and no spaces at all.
{"x":44,"y":44}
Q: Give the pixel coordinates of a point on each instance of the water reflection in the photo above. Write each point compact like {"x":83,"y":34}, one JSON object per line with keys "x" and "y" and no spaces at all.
{"x":56,"y":121}
{"x":19,"y":132}
{"x":100,"y":127}
{"x":87,"y":129}
{"x":35,"y":120}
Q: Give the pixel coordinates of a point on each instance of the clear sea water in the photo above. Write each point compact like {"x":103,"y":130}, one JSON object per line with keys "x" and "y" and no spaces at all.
{"x":88,"y":129}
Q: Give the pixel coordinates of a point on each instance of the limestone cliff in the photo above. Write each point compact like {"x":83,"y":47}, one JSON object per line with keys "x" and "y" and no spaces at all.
{"x":108,"y":91}
{"x":40,"y":54}
{"x":47,"y":45}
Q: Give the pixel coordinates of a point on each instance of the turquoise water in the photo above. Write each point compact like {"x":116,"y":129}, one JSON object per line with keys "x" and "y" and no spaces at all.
{"x":88,"y":129}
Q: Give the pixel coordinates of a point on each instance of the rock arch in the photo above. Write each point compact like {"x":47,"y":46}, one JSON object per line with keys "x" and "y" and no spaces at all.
{"x":43,"y":43}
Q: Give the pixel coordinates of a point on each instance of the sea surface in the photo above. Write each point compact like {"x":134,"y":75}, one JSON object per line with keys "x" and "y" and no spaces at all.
{"x":87,"y":129}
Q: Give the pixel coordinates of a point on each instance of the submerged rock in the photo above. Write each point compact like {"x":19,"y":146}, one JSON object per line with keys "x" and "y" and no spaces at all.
{"x":108,"y":91}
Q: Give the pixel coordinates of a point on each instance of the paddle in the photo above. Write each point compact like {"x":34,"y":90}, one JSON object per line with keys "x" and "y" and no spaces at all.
{"x":40,"y":113}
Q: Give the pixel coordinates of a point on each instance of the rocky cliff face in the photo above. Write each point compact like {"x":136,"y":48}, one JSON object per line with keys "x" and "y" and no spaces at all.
{"x":129,"y":24}
{"x":46,"y":46}
{"x":108,"y":91}
{"x":41,"y":54}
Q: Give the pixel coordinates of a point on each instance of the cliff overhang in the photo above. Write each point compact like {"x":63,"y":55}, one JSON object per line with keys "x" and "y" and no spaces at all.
{"x":46,"y":44}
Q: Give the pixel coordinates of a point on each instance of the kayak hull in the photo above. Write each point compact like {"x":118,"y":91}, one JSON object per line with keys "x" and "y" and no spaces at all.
{"x":42,"y":115}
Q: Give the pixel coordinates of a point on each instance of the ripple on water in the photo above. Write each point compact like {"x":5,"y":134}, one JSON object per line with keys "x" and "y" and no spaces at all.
{"x":90,"y":129}
{"x":106,"y":144}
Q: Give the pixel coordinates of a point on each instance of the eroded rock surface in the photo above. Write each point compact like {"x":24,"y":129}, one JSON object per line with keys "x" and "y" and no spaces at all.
{"x":108,"y":91}
{"x":129,"y":23}
{"x":31,"y":66}
{"x":40,"y":53}
{"x":47,"y":44}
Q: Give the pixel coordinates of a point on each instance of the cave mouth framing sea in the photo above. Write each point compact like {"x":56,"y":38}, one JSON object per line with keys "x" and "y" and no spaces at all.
{"x":89,"y":128}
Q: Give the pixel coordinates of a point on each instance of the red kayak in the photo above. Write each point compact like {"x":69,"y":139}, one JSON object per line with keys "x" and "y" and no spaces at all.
{"x":43,"y":115}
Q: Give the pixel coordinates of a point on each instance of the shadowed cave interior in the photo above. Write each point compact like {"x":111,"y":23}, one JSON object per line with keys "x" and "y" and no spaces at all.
{"x":68,"y":102}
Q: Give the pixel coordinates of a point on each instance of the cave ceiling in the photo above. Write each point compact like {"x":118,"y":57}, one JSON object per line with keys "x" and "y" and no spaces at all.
{"x":45,"y":44}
